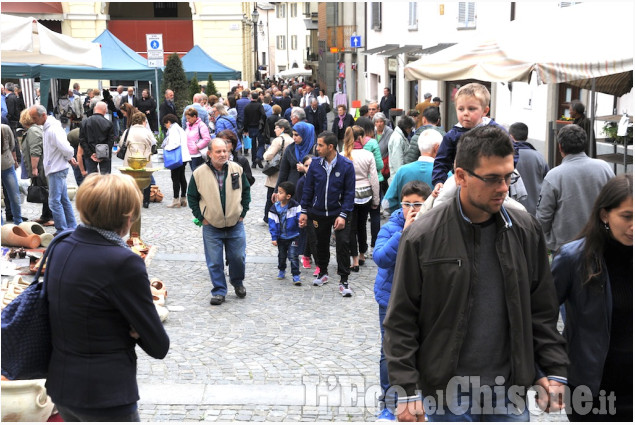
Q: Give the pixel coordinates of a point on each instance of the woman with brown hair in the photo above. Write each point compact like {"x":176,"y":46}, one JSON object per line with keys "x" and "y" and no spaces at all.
{"x":366,"y":191}
{"x":594,"y":279}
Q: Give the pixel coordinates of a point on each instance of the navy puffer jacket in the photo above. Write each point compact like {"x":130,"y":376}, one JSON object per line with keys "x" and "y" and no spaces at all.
{"x":385,"y":255}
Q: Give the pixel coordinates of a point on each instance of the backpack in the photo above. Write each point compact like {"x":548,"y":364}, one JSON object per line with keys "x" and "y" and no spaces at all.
{"x":65,"y":107}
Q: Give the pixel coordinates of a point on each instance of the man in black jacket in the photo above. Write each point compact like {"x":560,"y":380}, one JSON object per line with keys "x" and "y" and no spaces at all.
{"x":167,"y":107}
{"x":316,"y":115}
{"x":473,"y":310}
{"x":254,"y":124}
{"x":96,"y":130}
{"x":15,"y":105}
{"x":387,"y":102}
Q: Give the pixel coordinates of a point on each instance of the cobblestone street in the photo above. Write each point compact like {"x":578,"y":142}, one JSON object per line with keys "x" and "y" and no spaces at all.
{"x":284,"y":353}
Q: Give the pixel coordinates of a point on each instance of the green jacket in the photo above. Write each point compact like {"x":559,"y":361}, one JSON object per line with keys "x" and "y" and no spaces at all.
{"x":194,"y":196}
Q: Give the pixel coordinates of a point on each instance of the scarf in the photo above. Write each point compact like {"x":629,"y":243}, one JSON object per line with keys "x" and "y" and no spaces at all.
{"x":109,"y":235}
{"x":307,"y":132}
{"x":341,"y":123}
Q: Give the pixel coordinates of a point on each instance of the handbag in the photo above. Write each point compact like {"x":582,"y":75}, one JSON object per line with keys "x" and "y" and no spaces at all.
{"x":102,"y":151}
{"x":37,"y":194}
{"x":26,"y":330}
{"x":121,"y":152}
{"x":273,"y":166}
{"x":172,"y":159}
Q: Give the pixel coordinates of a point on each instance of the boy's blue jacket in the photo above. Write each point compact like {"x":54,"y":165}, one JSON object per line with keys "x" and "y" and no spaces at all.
{"x":291,"y":228}
{"x":444,"y":161}
{"x":385,"y":255}
{"x":339,"y":198}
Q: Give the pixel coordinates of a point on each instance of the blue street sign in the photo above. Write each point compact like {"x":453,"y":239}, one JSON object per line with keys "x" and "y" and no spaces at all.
{"x":356,"y":41}
{"x":154,"y":44}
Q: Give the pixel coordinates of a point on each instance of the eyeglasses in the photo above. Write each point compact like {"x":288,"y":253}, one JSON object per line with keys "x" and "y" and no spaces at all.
{"x":413,"y":205}
{"x":509,"y":179}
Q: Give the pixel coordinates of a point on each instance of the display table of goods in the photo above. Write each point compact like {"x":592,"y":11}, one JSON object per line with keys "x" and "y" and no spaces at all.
{"x":26,"y":400}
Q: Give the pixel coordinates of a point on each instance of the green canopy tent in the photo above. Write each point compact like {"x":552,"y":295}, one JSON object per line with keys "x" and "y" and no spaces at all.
{"x":196,"y":61}
{"x":119,"y":63}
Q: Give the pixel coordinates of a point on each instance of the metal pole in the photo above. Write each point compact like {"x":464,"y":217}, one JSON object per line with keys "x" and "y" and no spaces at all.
{"x":593,"y":146}
{"x":256,"y":48}
{"x":156,"y":81}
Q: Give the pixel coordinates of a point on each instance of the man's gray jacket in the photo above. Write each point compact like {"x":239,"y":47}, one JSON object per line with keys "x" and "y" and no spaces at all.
{"x":567,"y":196}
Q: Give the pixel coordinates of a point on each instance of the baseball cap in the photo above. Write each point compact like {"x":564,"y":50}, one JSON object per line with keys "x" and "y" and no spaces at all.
{"x":437,"y":99}
{"x":427,"y":95}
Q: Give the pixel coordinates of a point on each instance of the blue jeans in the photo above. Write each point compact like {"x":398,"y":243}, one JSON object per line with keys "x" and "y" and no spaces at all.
{"x":462,"y":407}
{"x":288,"y":248}
{"x":233,"y":240}
{"x":196,"y":161}
{"x":10,"y":183}
{"x":389,"y":397}
{"x":59,"y":203}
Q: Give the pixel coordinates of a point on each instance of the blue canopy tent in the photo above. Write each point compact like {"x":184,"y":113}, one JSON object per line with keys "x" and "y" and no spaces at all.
{"x":119,"y":63}
{"x":199,"y":62}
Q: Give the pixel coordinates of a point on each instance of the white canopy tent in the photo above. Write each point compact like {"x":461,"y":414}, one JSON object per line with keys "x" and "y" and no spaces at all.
{"x":513,"y":51}
{"x":294,"y":72}
{"x":595,"y":59}
{"x":24,"y":40}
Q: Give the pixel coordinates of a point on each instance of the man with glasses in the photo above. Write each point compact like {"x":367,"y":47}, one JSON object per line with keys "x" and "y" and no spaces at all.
{"x":473,"y":310}
{"x":420,"y":170}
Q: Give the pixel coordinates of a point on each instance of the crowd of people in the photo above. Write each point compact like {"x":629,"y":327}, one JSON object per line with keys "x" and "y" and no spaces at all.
{"x":483,"y":245}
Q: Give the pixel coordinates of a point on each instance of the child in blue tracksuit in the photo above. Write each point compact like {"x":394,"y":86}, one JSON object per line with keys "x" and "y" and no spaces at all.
{"x":284,"y":228}
{"x":413,"y":194}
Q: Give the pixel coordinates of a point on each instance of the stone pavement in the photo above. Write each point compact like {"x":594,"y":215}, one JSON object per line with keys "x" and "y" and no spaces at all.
{"x":284,"y":353}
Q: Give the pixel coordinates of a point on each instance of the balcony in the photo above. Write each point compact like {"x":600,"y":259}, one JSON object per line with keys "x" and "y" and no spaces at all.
{"x":340,"y":37}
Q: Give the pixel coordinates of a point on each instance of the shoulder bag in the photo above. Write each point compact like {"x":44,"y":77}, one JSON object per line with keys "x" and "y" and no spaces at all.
{"x":172,"y":159}
{"x":102,"y":151}
{"x":121,"y":152}
{"x":37,"y":194}
{"x":273,"y":166}
{"x":26,"y":330}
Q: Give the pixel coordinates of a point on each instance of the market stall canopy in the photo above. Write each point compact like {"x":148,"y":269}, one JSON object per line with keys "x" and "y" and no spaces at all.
{"x":294,"y":72}
{"x":120,"y":63}
{"x":199,"y":62}
{"x":26,"y":41}
{"x":550,"y":51}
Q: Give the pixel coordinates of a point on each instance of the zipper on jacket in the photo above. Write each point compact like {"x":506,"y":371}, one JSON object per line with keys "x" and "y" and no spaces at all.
{"x":326,"y":192}
{"x":458,"y":261}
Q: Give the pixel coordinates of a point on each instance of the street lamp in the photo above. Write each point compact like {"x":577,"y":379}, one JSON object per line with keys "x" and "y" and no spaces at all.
{"x":254,"y":18}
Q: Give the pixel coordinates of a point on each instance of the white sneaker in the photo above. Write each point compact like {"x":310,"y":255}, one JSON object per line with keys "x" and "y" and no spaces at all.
{"x":345,"y":290}
{"x":319,"y":281}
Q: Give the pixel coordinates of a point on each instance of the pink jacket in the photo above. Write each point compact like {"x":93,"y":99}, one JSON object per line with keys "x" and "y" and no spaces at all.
{"x":197,"y":137}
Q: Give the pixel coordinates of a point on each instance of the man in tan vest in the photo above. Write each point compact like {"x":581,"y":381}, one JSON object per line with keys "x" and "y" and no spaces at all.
{"x":219,"y":197}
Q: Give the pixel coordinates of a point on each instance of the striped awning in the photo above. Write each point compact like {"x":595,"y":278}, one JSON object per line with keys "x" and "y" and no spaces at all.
{"x":616,"y":84}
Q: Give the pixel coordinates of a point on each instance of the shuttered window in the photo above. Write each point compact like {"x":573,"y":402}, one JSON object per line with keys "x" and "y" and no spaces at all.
{"x":281,"y":10}
{"x":467,"y":14}
{"x":281,"y":42}
{"x":412,"y":15}
{"x":294,"y":42}
{"x":376,"y":16}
